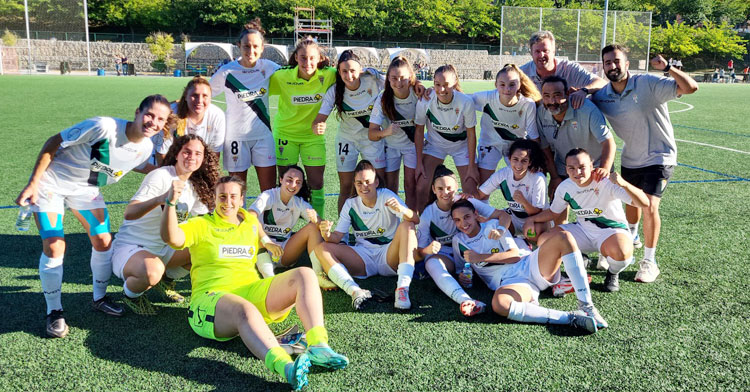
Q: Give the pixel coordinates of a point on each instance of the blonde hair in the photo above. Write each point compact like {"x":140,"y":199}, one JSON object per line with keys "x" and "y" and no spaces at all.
{"x":528,"y":88}
{"x":448,"y":68}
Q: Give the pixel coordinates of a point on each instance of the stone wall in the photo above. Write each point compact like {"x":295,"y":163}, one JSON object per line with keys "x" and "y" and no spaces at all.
{"x":471,"y":64}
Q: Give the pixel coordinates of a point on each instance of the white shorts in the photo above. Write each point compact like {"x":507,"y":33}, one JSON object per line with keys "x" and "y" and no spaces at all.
{"x":121,"y":253}
{"x":459,"y":152}
{"x":239,"y":155}
{"x":591,"y":242}
{"x":349,"y":151}
{"x":375,"y":258}
{"x":489,"y":155}
{"x":526,"y":272}
{"x":54,"y":197}
{"x":393,"y":157}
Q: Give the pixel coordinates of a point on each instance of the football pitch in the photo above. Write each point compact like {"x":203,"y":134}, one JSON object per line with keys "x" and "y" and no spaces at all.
{"x":690,"y":330}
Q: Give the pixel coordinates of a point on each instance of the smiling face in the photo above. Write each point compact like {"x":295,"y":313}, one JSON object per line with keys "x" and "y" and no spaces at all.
{"x":190,"y":157}
{"x":615,"y":65}
{"x":366,"y":184}
{"x":579,"y":168}
{"x":543,"y":54}
{"x":554,"y":97}
{"x":308,"y":58}
{"x":508,"y":85}
{"x":251,"y":48}
{"x":445,"y":189}
{"x":400,"y":80}
{"x":519,"y":162}
{"x":291,"y":182}
{"x":151,"y":120}
{"x":444,"y":84}
{"x":349,"y":71}
{"x":198,"y":98}
{"x":466,"y":221}
{"x":228,"y":200}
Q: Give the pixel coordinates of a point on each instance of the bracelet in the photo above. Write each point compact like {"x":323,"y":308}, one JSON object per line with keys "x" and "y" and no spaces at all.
{"x":265,"y":240}
{"x":169,"y":203}
{"x":668,"y":67}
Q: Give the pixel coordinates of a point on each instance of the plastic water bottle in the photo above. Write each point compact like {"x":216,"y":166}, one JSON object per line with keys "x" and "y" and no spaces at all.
{"x":467,"y":272}
{"x":23,"y":222}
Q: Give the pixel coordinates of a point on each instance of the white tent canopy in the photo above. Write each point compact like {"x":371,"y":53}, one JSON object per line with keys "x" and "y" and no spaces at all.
{"x":393,"y":52}
{"x":281,"y":48}
{"x":191,"y":46}
{"x":341,"y":49}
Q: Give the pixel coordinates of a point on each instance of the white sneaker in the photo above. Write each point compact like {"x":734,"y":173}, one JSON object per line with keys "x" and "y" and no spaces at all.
{"x":591,"y":311}
{"x":637,"y":242}
{"x":602,"y":263}
{"x":402,"y":299}
{"x":647,"y":271}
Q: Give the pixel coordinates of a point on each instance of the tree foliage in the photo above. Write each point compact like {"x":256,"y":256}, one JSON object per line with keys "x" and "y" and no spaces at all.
{"x":161,"y":45}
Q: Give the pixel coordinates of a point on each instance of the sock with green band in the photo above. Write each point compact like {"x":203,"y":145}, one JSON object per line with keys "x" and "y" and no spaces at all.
{"x":317,"y":335}
{"x":276,"y":360}
{"x":318,"y":201}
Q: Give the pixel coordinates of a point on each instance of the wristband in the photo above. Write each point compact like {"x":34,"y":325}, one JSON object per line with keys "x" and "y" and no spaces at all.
{"x":585,"y":90}
{"x":265,"y":240}
{"x":667,"y":68}
{"x":169,"y":203}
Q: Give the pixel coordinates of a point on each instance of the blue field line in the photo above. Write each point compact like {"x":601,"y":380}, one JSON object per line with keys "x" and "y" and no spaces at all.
{"x":711,"y":130}
{"x":703,"y":181}
{"x":714,"y":172}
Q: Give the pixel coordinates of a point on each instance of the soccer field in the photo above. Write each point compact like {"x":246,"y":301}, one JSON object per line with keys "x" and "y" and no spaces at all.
{"x":687,"y":331}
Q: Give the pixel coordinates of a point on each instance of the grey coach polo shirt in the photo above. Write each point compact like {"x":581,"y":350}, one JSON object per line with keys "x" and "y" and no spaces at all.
{"x":572,"y":72}
{"x":581,"y":128}
{"x":639,"y":116}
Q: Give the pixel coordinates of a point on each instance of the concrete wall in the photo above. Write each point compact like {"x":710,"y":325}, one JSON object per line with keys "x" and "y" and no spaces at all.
{"x":471,"y":64}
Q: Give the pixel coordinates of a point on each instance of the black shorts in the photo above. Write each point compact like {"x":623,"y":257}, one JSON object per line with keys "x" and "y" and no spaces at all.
{"x":650,"y":179}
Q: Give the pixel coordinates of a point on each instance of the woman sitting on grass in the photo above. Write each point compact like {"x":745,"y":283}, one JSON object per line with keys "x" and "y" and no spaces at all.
{"x":230,"y":299}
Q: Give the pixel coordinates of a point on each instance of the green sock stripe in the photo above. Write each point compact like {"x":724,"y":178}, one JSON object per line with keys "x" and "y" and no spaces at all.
{"x":317,"y":335}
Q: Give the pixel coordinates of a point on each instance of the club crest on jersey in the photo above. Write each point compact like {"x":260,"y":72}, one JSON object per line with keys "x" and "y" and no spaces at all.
{"x":369,"y":92}
{"x":263,"y":72}
{"x":455,"y":127}
{"x":234,"y":158}
{"x":381,"y":230}
{"x":306,"y":99}
{"x":236,"y":251}
{"x":520,"y":113}
{"x":457,"y":110}
{"x":97,"y":166}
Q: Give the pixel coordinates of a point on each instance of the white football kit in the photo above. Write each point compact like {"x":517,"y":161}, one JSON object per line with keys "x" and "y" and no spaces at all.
{"x":501,"y":126}
{"x":533,"y":186}
{"x":278,"y":219}
{"x":401,"y":143}
{"x":446,"y":125}
{"x":212,"y":130}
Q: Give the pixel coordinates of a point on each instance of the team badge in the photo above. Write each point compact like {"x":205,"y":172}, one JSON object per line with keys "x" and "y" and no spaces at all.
{"x":318,"y":97}
{"x":457,"y":111}
{"x":281,"y":150}
{"x":234,"y":158}
{"x":596,"y":191}
{"x":369,"y":107}
{"x":287,"y":230}
{"x":342,"y":159}
{"x":520,"y":113}
{"x":495,"y":250}
{"x":635,"y":98}
{"x":369,"y":91}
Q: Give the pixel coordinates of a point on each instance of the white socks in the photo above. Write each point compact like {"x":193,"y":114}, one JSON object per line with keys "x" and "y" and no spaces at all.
{"x":444,"y":281}
{"x":265,"y":265}
{"x":527,"y":312}
{"x":315,"y":263}
{"x":649,"y":254}
{"x":101,"y":271}
{"x":176,"y":273}
{"x":633,"y":229}
{"x":405,"y":273}
{"x":339,"y":275}
{"x":616,"y":266}
{"x":129,"y":293}
{"x":50,"y":274}
{"x":573,"y":263}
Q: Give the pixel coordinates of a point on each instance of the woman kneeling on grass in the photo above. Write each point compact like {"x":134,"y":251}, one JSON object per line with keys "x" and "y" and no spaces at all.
{"x":230,"y":299}
{"x":139,"y":257}
{"x":518,"y":277}
{"x":384,"y":246}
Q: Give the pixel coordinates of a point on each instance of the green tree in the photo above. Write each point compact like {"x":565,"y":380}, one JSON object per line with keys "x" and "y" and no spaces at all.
{"x":720,"y":40}
{"x":675,"y":40}
{"x":161,"y":45}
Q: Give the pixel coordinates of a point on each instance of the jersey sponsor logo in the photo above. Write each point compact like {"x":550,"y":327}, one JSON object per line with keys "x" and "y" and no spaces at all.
{"x":585,"y":212}
{"x":444,"y":108}
{"x":99,"y":167}
{"x":357,"y":113}
{"x":249,"y":95}
{"x":236,"y":251}
{"x":276,"y":229}
{"x":606,"y":100}
{"x":306,"y":99}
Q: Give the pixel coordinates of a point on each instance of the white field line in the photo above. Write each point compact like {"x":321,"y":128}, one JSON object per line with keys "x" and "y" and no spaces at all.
{"x":689,"y":106}
{"x":713,"y":146}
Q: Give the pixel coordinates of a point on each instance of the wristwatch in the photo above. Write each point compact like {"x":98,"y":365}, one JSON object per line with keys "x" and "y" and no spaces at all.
{"x":585,"y":90}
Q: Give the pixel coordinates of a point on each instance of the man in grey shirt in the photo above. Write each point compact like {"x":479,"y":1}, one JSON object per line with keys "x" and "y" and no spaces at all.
{"x":544,"y":64}
{"x":562,"y":128}
{"x":636,"y":107}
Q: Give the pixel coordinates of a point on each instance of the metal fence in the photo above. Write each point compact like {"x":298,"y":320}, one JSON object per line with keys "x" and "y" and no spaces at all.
{"x":578,"y":33}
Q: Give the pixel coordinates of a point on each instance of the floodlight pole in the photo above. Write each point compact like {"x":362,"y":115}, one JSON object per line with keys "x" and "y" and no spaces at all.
{"x":88,"y":45}
{"x":28,"y":33}
{"x":648,"y":47}
{"x":502,"y":27}
{"x":578,"y":33}
{"x":604,"y":24}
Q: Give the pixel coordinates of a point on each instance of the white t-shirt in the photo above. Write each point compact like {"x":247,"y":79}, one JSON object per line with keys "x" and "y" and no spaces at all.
{"x":597,"y":205}
{"x":446,"y":124}
{"x":502,"y":125}
{"x":96,"y":152}
{"x":357,"y":105}
{"x":437,"y":225}
{"x":278,"y":219}
{"x":246,"y":92}
{"x":211,"y":130}
{"x":405,"y":111}
{"x":374,"y":226}
{"x":533,"y":186}
{"x":483,"y":245}
{"x":144,"y":231}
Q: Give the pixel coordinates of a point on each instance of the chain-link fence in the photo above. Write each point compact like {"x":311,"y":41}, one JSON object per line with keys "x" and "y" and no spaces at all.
{"x":578,"y":34}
